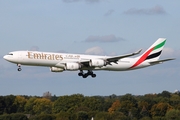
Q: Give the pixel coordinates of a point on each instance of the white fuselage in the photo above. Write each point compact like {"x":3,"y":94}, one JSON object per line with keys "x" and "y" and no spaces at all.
{"x":50,"y":59}
{"x":59,"y":62}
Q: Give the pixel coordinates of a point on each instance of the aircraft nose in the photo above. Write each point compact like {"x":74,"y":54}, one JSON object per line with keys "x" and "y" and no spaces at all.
{"x":5,"y":57}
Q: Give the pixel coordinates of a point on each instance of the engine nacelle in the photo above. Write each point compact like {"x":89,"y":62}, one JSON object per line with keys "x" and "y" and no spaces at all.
{"x":72,"y":66}
{"x":56,"y":69}
{"x":97,"y":63}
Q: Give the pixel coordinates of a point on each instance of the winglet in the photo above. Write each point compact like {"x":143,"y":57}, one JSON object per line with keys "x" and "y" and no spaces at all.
{"x":139,"y":51}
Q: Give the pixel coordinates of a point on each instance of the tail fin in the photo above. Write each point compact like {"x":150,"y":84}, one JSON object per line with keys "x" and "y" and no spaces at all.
{"x":153,"y":53}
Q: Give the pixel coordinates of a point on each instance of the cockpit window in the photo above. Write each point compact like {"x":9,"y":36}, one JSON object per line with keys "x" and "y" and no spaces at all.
{"x":10,"y":54}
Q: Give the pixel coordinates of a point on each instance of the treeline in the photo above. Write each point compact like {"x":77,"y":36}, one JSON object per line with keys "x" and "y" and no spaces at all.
{"x":162,"y":106}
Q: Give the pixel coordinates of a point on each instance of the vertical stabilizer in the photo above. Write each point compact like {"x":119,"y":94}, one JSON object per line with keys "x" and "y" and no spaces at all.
{"x":151,"y":54}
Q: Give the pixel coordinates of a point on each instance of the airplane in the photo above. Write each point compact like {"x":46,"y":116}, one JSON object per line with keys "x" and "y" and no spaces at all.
{"x":59,"y":62}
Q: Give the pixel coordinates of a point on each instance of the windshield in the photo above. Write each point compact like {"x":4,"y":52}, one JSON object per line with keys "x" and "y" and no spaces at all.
{"x":10,"y":54}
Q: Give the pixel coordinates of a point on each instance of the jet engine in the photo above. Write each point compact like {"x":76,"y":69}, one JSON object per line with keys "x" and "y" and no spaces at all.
{"x":72,"y":66}
{"x":56,"y":69}
{"x":97,"y":63}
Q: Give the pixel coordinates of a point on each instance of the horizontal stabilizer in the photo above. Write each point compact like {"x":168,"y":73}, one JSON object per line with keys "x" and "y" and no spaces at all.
{"x":160,"y":61}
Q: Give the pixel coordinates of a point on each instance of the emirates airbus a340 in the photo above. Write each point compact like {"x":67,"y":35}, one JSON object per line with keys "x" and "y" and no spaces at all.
{"x":59,"y":62}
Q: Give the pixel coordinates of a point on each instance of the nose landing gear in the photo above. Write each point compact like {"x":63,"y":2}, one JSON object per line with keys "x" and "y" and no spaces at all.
{"x":85,"y":75}
{"x":19,"y":67}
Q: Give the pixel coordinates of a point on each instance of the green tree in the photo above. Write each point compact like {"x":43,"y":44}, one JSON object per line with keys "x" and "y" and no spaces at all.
{"x":173,"y":115}
{"x":95,"y":103}
{"x":63,"y":116}
{"x":82,"y":115}
{"x":54,"y":98}
{"x":19,"y":103}
{"x":160,"y":109}
{"x":143,"y":106}
{"x":82,"y":108}
{"x":29,"y":106}
{"x":9,"y":107}
{"x":68,"y":103}
{"x":165,"y":94}
{"x":158,"y":118}
{"x":146,"y":118}
{"x":150,"y":99}
{"x":175,"y":100}
{"x":102,"y":116}
{"x":118,"y":116}
{"x":43,"y":117}
{"x":2,"y":105}
{"x":42,"y":106}
{"x":14,"y":116}
{"x":129,"y":106}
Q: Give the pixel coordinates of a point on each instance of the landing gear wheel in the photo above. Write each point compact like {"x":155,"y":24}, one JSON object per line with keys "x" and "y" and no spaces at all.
{"x":93,"y":75}
{"x":85,"y":75}
{"x":80,"y":74}
{"x":19,"y":69}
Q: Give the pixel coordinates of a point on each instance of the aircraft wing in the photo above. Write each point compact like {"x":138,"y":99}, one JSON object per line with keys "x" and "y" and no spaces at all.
{"x":160,"y":61}
{"x":116,"y":58}
{"x":111,"y":59}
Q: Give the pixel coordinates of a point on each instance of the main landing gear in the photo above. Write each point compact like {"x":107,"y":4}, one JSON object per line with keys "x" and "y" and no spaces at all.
{"x":19,"y":67}
{"x":85,"y":75}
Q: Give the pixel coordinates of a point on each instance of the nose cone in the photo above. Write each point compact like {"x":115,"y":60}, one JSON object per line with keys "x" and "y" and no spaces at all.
{"x":8,"y":57}
{"x":5,"y":57}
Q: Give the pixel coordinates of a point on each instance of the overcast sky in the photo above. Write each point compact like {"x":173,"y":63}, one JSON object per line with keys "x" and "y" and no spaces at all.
{"x":101,"y":27}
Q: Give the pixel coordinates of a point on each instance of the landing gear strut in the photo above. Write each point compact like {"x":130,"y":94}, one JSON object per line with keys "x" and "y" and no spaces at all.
{"x":19,"y":67}
{"x":85,"y":75}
